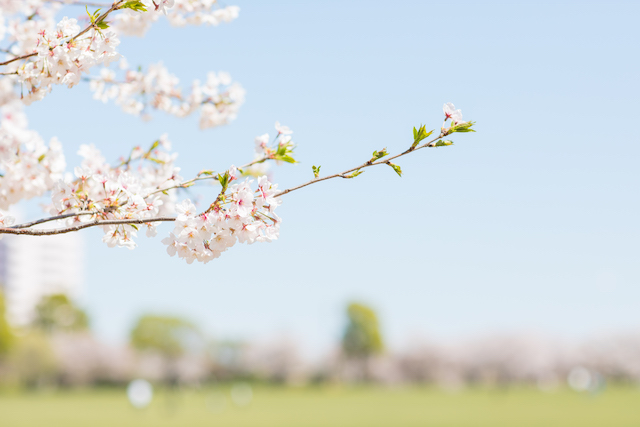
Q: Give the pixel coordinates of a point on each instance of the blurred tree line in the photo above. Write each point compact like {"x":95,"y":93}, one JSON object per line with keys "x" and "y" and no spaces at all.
{"x":58,"y":349}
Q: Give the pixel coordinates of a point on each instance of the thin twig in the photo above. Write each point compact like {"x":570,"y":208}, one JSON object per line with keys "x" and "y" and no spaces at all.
{"x":364,"y":165}
{"x":186,"y":184}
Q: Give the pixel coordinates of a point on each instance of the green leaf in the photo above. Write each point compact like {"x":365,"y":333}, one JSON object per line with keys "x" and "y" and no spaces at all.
{"x":41,"y":158}
{"x":395,"y":168}
{"x":354,"y":174}
{"x":463,"y":127}
{"x":379,"y":154}
{"x":285,"y":158}
{"x":316,"y":171}
{"x":103,"y":25}
{"x":206,"y":172}
{"x":157,"y":161}
{"x":224,"y":180}
{"x":419,"y":135}
{"x":135,"y":5}
{"x":443,"y":143}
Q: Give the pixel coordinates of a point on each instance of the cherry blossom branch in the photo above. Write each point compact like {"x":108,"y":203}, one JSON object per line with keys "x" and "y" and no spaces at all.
{"x":22,"y":229}
{"x":114,"y":6}
{"x":240,"y":201}
{"x":367,"y":164}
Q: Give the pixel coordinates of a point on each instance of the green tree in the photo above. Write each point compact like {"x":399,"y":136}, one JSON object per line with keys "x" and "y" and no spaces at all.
{"x":362,"y":338}
{"x":31,"y":361}
{"x":169,"y":336}
{"x":6,"y":335}
{"x":56,"y":313}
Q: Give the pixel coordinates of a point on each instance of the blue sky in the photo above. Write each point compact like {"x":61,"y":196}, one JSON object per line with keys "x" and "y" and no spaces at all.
{"x":530,"y":223}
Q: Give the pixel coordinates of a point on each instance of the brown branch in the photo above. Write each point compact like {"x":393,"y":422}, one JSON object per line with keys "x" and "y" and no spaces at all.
{"x":362,"y":166}
{"x":31,"y":232}
{"x":17,"y":58}
{"x":53,"y":218}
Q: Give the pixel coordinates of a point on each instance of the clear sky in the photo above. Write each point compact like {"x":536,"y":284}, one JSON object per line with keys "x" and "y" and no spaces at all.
{"x":530,"y":223}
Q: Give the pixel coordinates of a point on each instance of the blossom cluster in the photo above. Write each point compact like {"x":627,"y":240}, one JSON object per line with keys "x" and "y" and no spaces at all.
{"x":137,"y":91}
{"x":28,"y":167}
{"x":178,"y":12}
{"x":244,"y":215}
{"x":123,"y":192}
{"x":41,"y":53}
{"x":140,"y":191}
{"x":20,"y":22}
{"x":62,"y":57}
{"x":143,"y":187}
{"x":456,"y":124}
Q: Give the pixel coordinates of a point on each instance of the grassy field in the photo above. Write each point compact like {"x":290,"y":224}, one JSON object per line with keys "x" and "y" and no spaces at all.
{"x":353,"y":407}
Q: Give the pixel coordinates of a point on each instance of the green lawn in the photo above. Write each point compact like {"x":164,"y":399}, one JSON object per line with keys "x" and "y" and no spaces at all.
{"x":329,"y":406}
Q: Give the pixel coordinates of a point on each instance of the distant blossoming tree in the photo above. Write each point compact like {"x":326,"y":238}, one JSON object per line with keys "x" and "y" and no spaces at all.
{"x":141,"y":190}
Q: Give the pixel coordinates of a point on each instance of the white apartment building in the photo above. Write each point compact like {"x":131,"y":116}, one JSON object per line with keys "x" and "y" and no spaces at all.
{"x":32,"y":267}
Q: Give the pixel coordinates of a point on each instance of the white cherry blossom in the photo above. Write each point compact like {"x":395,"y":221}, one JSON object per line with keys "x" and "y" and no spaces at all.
{"x":450,"y":112}
{"x":283,"y":130}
